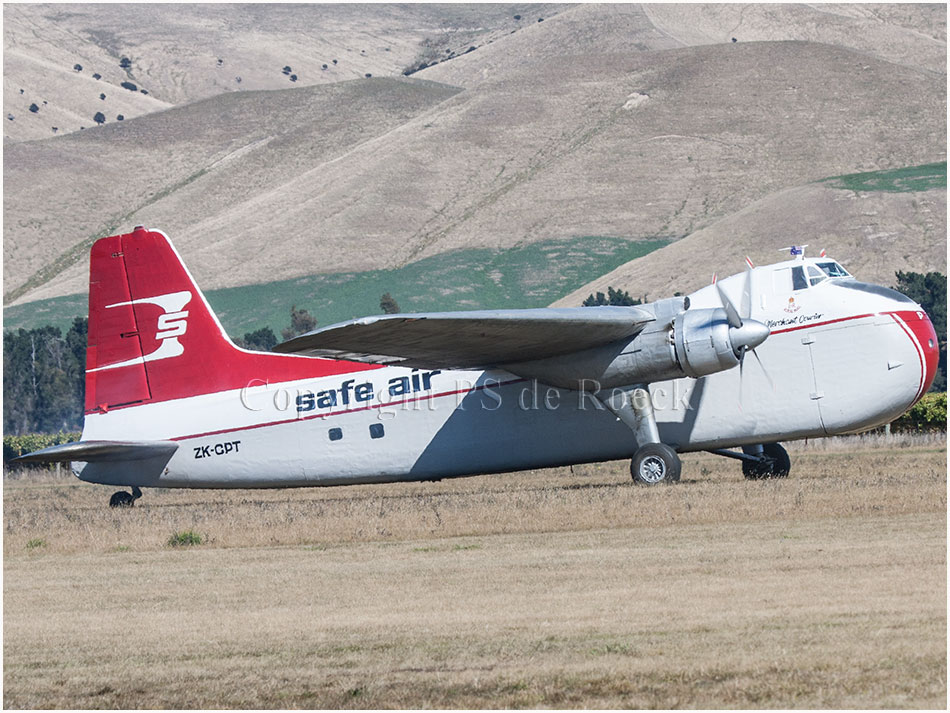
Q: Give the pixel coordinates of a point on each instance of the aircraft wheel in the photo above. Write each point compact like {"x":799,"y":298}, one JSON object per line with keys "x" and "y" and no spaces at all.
{"x":778,"y":466}
{"x":655,"y":463}
{"x":121,"y":499}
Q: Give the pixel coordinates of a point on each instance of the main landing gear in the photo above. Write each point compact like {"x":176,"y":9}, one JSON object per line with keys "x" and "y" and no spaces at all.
{"x":654,"y":462}
{"x":122,"y":499}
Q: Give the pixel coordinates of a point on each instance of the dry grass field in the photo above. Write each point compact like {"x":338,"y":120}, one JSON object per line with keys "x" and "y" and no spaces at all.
{"x":564,"y":588}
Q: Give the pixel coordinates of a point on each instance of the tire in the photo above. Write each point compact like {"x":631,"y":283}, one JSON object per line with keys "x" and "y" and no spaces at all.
{"x":778,"y":466}
{"x":655,"y":463}
{"x":121,"y":499}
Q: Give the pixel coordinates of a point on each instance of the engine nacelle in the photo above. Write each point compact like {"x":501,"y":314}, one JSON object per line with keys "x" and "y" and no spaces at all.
{"x":680,"y":342}
{"x":703,"y":342}
{"x":649,"y":356}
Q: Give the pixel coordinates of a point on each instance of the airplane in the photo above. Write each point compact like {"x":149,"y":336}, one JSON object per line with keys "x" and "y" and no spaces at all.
{"x":171,"y":402}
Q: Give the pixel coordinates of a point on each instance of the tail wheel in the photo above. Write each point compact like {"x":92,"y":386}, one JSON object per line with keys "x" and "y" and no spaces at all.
{"x":776,"y":465}
{"x":655,"y":463}
{"x":123,"y":499}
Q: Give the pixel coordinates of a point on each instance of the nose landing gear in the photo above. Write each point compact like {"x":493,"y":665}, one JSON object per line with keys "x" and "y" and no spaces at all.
{"x":773,"y":462}
{"x":122,"y":499}
{"x":760,"y":462}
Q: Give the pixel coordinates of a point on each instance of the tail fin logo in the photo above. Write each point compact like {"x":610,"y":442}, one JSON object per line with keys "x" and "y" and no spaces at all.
{"x":172,"y":323}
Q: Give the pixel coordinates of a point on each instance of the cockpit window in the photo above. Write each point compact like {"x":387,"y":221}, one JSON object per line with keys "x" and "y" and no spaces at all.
{"x":833,"y":269}
{"x":815,"y":275}
{"x":798,"y":279}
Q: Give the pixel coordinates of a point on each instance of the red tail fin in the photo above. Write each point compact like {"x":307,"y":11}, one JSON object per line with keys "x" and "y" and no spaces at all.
{"x":153,"y":337}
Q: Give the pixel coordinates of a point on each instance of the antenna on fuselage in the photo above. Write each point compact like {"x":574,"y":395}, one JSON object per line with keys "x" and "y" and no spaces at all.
{"x":795,"y":251}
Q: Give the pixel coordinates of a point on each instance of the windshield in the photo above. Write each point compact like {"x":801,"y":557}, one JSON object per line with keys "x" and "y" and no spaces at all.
{"x":833,"y":269}
{"x":815,"y":275}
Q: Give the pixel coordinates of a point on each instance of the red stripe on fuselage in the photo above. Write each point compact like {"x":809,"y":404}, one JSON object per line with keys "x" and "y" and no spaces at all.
{"x":920,"y":330}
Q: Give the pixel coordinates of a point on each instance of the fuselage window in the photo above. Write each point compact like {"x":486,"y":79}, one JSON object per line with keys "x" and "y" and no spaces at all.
{"x":335,"y":434}
{"x":782,"y":281}
{"x":376,"y":430}
{"x":798,"y":279}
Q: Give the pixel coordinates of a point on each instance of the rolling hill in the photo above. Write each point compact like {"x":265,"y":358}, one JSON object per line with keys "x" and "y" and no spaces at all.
{"x":873,"y":223}
{"x":629,"y":122}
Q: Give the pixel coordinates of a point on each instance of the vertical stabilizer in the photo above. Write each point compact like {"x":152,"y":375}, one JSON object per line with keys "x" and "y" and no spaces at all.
{"x":153,"y":337}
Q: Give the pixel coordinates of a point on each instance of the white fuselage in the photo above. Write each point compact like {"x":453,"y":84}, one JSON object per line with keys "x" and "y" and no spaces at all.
{"x":838,"y":360}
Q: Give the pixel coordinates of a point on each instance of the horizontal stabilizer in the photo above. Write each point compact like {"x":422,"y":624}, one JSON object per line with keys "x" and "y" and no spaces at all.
{"x":464,"y":340}
{"x":100,"y":451}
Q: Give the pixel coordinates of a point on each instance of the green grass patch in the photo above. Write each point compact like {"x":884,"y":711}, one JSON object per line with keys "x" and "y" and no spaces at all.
{"x":897,"y":180}
{"x":185,"y":538}
{"x":35,"y":544}
{"x":480,"y":278}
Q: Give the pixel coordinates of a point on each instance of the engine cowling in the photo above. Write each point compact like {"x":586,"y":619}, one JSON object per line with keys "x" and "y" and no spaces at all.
{"x":702,"y":341}
{"x":680,"y":343}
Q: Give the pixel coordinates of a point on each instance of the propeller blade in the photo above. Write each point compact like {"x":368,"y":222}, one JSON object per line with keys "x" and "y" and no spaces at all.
{"x":741,"y":362}
{"x":764,"y":370}
{"x":732,"y":315}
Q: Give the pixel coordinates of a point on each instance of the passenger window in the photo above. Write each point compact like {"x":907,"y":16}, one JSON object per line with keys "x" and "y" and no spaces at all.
{"x":798,"y":279}
{"x":376,"y":430}
{"x":815,"y":275}
{"x":336,"y":434}
{"x":782,"y":281}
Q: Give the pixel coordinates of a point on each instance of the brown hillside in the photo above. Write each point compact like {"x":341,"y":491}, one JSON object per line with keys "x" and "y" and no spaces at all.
{"x":593,"y":122}
{"x":655,"y":143}
{"x":174,"y":52}
{"x":872,"y":234}
{"x":910,"y":34}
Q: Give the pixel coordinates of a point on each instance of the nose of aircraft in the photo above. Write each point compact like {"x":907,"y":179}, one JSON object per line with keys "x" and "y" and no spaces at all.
{"x":920,"y":330}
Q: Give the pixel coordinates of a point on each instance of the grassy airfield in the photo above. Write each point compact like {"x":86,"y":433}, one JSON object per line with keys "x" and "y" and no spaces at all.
{"x":563,"y":587}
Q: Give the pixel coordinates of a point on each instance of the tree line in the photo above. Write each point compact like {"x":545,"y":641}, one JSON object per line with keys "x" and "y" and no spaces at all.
{"x":44,"y":369}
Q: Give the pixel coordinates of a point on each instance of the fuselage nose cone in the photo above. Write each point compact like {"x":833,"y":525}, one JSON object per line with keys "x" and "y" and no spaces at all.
{"x":750,"y":335}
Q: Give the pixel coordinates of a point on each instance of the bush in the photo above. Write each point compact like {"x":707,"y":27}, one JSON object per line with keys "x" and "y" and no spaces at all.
{"x":77,"y":67}
{"x":185,"y":538}
{"x":34,"y":108}
{"x":613,"y":297}
{"x":928,"y":414}
{"x":99,"y":118}
{"x":128,"y":85}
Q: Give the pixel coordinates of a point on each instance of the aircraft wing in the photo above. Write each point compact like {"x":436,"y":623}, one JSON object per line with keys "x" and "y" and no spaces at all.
{"x":463,"y":340}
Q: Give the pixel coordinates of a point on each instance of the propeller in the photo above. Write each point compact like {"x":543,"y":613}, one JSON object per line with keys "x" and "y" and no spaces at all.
{"x":745,"y":333}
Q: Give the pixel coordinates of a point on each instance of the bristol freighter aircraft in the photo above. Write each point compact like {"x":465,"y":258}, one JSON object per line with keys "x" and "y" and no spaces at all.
{"x":171,"y":402}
